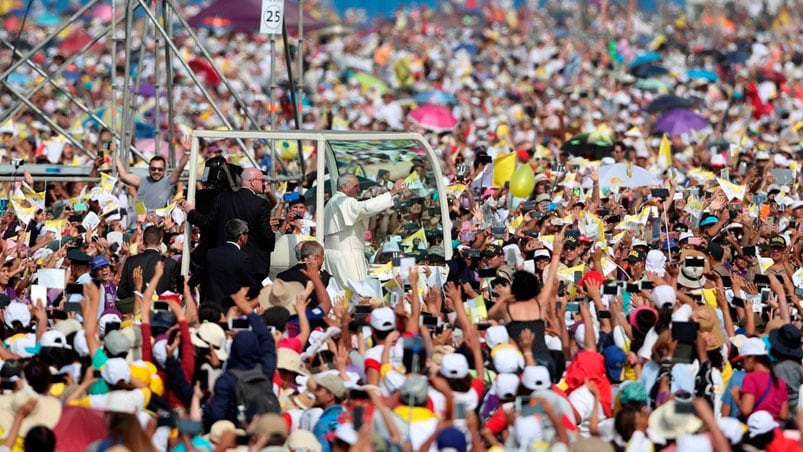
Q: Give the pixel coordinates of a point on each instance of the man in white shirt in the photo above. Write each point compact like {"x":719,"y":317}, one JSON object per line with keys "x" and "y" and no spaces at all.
{"x":345,"y":220}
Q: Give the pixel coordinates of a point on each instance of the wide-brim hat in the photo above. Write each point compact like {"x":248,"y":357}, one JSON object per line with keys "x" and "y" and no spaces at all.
{"x":786,"y":341}
{"x":46,"y":412}
{"x":666,"y":422}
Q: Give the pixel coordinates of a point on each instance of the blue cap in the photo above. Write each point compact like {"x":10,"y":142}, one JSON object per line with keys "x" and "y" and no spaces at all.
{"x":614,"y":362}
{"x":98,"y":262}
{"x":709,"y":220}
{"x":669,"y":244}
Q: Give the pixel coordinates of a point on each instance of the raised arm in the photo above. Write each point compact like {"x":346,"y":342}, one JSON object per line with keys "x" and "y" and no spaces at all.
{"x":125,"y":176}
{"x":175,"y":175}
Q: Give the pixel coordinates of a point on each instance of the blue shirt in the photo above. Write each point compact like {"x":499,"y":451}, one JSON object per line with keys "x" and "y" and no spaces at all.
{"x":327,"y":423}
{"x":727,"y":399}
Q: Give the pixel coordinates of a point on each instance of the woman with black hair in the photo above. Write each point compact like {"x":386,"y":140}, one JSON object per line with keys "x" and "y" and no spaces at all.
{"x":761,"y":390}
{"x":526,"y":309}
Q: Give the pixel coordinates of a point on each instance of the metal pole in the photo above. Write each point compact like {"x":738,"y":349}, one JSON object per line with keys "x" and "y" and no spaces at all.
{"x":49,"y":38}
{"x":171,"y":119}
{"x":198,"y":83}
{"x":125,"y":133}
{"x":48,"y":120}
{"x":157,"y":85}
{"x":273,"y":102}
{"x":254,"y":123}
{"x":193,"y":175}
{"x":130,"y":113}
{"x":49,"y":79}
{"x":300,"y":55}
{"x":113,"y":104}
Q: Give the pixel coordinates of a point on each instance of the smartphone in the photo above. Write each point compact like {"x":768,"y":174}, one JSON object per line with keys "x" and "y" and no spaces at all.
{"x":72,"y":306}
{"x":572,"y":307}
{"x":486,"y":273}
{"x":202,"y":376}
{"x":603,"y":212}
{"x":698,"y":298}
{"x":647,"y":285}
{"x":610,"y":289}
{"x":765,"y":295}
{"x":239,"y":324}
{"x":551,"y":207}
{"x":573,"y":233}
{"x":58,"y":378}
{"x":695,"y":262}
{"x":498,"y":233}
{"x":562,"y":289}
{"x":7,"y":385}
{"x":683,"y":404}
{"x":604,"y":314}
{"x":357,"y":414}
{"x":59,"y":315}
{"x":111,"y":326}
{"x":578,"y":276}
{"x":192,"y":428}
{"x":662,"y":193}
{"x":695,"y":241}
{"x":74,"y":288}
{"x":467,"y":236}
{"x":243,"y":440}
{"x":358,"y":394}
{"x":361,"y":311}
{"x":684,"y":352}
{"x":483,"y":326}
{"x":428,"y":320}
{"x":761,"y":280}
{"x":96,"y":373}
{"x":160,"y":306}
{"x":460,"y":411}
{"x":685,"y":331}
{"x":632,"y":288}
{"x":614,"y":219}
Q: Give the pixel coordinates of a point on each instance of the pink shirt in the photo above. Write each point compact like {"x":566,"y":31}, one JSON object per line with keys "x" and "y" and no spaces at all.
{"x":756,"y":383}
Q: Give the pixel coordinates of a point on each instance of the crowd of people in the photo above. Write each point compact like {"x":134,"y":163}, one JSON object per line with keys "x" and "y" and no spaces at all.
{"x":616,"y":278}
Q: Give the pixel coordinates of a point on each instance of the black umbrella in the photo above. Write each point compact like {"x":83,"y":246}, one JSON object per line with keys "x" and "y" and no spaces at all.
{"x":668,"y":102}
{"x":735,"y":57}
{"x":647,"y":71}
{"x":591,"y":146}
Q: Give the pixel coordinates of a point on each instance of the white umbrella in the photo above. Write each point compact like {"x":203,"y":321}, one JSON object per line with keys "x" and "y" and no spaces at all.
{"x":626,"y":175}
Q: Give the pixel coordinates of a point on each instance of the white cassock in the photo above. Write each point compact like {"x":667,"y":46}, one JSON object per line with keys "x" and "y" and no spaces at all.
{"x":345,"y":221}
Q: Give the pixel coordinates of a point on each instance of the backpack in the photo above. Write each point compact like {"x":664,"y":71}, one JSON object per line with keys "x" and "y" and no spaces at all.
{"x":254,"y":394}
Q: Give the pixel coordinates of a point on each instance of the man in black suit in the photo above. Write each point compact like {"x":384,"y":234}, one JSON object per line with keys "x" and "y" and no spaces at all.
{"x":147,"y":259}
{"x":247,"y":206}
{"x":227,"y":268}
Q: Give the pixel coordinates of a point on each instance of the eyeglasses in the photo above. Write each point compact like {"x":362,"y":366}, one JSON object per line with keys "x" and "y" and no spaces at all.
{"x":156,"y":168}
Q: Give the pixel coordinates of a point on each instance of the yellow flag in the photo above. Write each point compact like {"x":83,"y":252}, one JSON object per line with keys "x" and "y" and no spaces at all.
{"x":413,"y":177}
{"x":24,"y":214}
{"x":548,"y":241}
{"x":383,"y":270}
{"x":107,"y":182}
{"x":419,"y":234}
{"x":665,"y":153}
{"x":58,"y":225}
{"x":567,"y":274}
{"x":504,"y":167}
{"x":732,"y":191}
{"x":455,"y":190}
{"x":515,"y":223}
{"x":165,"y":210}
{"x":608,"y":266}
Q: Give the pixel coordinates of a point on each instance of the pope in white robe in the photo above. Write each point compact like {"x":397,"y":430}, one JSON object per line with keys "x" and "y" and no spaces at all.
{"x":345,"y":220}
